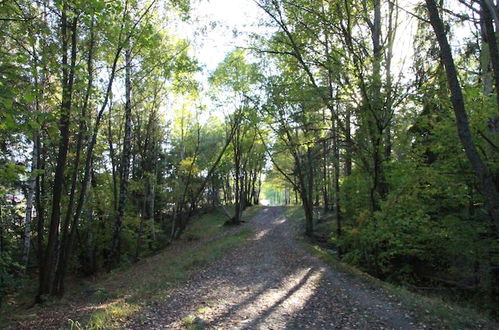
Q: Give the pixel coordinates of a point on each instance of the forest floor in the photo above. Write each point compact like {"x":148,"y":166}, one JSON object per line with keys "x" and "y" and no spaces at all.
{"x":256,"y":276}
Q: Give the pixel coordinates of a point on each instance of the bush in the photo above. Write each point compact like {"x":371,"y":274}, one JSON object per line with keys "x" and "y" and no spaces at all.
{"x":424,"y":233}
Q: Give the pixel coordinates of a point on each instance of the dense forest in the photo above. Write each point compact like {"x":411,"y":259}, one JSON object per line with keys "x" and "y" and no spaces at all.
{"x":111,"y":138}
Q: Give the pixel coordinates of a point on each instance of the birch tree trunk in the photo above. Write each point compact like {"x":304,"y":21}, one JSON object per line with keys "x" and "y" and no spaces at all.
{"x":29,"y":204}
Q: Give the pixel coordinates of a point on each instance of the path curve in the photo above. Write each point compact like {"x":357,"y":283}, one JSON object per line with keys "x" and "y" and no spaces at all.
{"x":272,"y":283}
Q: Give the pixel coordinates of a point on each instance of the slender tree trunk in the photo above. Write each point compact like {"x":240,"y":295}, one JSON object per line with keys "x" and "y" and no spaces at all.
{"x":257,"y":195}
{"x":237,"y":177}
{"x":2,"y":248}
{"x":40,"y":179}
{"x":143,"y":218}
{"x":485,"y":64}
{"x":112,"y":157}
{"x":348,"y":144}
{"x":304,"y":190}
{"x":40,"y":208}
{"x":378,"y":120}
{"x":325,"y":195}
{"x":125,"y":162}
{"x":487,"y":15}
{"x":90,"y":245}
{"x":387,"y":116}
{"x":336,"y":162}
{"x":32,"y":181}
{"x":67,"y":83}
{"x":89,"y":154}
{"x":152,"y":198}
{"x":485,"y":178}
{"x":308,"y":192}
{"x":377,"y":189}
{"x":29,"y":203}
{"x":66,"y":237}
{"x":309,"y":214}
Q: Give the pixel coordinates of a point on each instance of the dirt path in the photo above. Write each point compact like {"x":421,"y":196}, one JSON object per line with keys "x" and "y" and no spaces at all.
{"x":272,"y":283}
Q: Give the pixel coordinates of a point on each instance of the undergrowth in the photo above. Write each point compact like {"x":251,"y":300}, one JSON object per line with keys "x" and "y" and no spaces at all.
{"x":433,"y":310}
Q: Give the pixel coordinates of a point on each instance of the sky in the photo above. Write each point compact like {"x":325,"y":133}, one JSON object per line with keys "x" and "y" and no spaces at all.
{"x":229,"y":24}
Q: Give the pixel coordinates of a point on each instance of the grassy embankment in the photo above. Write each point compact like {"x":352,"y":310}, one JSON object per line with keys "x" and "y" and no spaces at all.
{"x":110,"y":299}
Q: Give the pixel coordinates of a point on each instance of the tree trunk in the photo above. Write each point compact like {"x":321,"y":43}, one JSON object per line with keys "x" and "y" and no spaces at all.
{"x":2,"y":248}
{"x":89,"y":153}
{"x":491,"y":38}
{"x":29,"y":204}
{"x":66,"y":237}
{"x":112,"y":157}
{"x":143,"y":218}
{"x":325,"y":195}
{"x":485,"y":63}
{"x":67,"y":83}
{"x":257,"y":195}
{"x":336,"y":162}
{"x":237,"y":176}
{"x":40,"y":209}
{"x":347,"y":170}
{"x":308,"y":193}
{"x":485,"y":178}
{"x":125,"y":163}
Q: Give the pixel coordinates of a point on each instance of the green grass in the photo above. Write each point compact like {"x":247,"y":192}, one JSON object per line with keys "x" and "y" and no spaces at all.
{"x":205,"y":226}
{"x":111,"y":316}
{"x":432,"y":310}
{"x":211,"y":224}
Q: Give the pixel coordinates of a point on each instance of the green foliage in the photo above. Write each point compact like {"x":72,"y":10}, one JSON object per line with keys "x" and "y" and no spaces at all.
{"x":9,"y":272}
{"x":427,"y":231}
{"x":235,"y":72}
{"x":433,"y":310}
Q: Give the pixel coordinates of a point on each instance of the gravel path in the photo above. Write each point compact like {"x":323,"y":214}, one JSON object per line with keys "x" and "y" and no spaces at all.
{"x":272,"y":283}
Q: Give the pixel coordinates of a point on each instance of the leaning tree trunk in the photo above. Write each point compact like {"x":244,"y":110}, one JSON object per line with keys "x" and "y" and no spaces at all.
{"x":483,"y":174}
